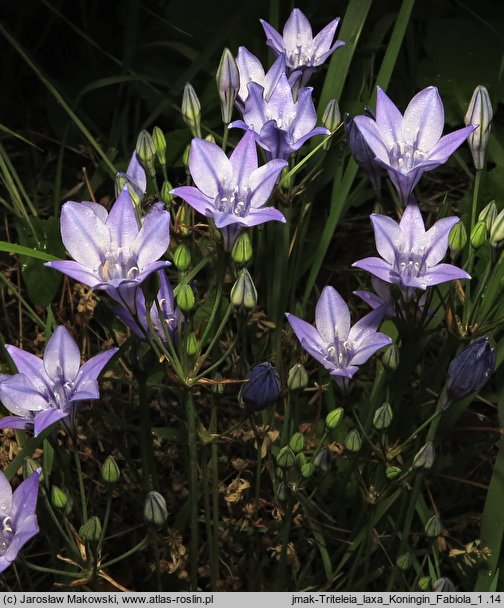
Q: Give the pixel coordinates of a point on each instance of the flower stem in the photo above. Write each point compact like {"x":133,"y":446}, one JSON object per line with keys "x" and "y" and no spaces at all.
{"x":215,"y":491}
{"x":131,"y":551}
{"x":193,"y":487}
{"x":81,"y":483}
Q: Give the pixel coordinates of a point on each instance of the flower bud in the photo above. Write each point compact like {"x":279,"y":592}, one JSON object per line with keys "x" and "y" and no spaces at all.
{"x":392,"y":472}
{"x":307,"y":470}
{"x":404,"y":561}
{"x":383,"y":417}
{"x":192,"y":345}
{"x":59,"y":498}
{"x":323,"y":460}
{"x":191,"y":110}
{"x":334,"y":417}
{"x":210,"y":138}
{"x":183,"y":220}
{"x":146,"y":151}
{"x":331,"y":119}
{"x":185,"y":158}
{"x":228,"y":84}
{"x":159,"y":139}
{"x":218,"y":387}
{"x":29,"y":467}
{"x":110,"y":472}
{"x":297,"y":442}
{"x":353,"y":442}
{"x":390,"y":357}
{"x":479,"y":113}
{"x":457,"y":238}
{"x":155,"y":511}
{"x":90,"y":531}
{"x":470,"y":370}
{"x":243,"y":292}
{"x":262,"y":387}
{"x":479,"y":234}
{"x":488,"y":214}
{"x":182,"y":257}
{"x":433,"y":526}
{"x":241,"y":251}
{"x":166,"y":195}
{"x":444,"y":585}
{"x":497,"y":230}
{"x":424,"y":583}
{"x":424,"y":458}
{"x":286,"y":458}
{"x":185,"y":298}
{"x":362,"y":153}
{"x":281,"y":491}
{"x":297,"y":378}
{"x":301,"y":459}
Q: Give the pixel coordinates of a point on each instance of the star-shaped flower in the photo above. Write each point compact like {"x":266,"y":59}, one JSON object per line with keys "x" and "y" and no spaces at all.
{"x":340,"y":347}
{"x":410,"y":255}
{"x":409,"y":145}
{"x":232,"y":191}
{"x":46,"y":390}
{"x":251,"y":70}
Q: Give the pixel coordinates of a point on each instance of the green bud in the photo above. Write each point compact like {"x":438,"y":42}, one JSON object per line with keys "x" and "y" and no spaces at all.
{"x":29,"y":467}
{"x":497,"y":230}
{"x":479,"y":234}
{"x":183,"y":220}
{"x":159,"y":139}
{"x":281,"y":491}
{"x":488,"y":214}
{"x":285,"y":458}
{"x":479,"y":113}
{"x":404,"y":561}
{"x":334,"y":417}
{"x":241,"y":251}
{"x":185,"y":298}
{"x":155,"y":511}
{"x":433,"y":526}
{"x":243,"y":292}
{"x":146,"y":151}
{"x":59,"y":498}
{"x":210,"y":138}
{"x":322,"y":460}
{"x":392,"y":472}
{"x":218,"y":389}
{"x":301,"y":460}
{"x":228,"y":84}
{"x":308,"y":469}
{"x":192,"y":345}
{"x":424,"y":458}
{"x":383,"y":417}
{"x":444,"y":585}
{"x":390,"y":357}
{"x":353,"y":442}
{"x":185,"y":157}
{"x":297,"y":378}
{"x":110,"y":472}
{"x":424,"y":583}
{"x":331,"y":119}
{"x":297,"y":442}
{"x":166,"y":195}
{"x":182,"y":257}
{"x":191,"y":110}
{"x":457,"y":238}
{"x":90,"y":531}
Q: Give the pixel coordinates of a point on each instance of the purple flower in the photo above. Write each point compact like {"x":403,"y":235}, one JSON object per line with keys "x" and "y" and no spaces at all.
{"x":232,"y":191}
{"x":114,"y":251}
{"x":135,"y":178}
{"x":333,"y":342}
{"x":251,"y":70}
{"x":362,"y":153}
{"x":46,"y":390}
{"x":381,"y":297}
{"x":170,"y":314}
{"x":281,"y":125}
{"x":410,"y":255}
{"x":410,"y":145}
{"x":18,"y":522}
{"x":303,"y":52}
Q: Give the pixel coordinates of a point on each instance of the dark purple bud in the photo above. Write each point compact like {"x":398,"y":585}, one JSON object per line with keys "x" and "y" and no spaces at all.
{"x":470,"y":370}
{"x":262,"y":388}
{"x":361,"y":152}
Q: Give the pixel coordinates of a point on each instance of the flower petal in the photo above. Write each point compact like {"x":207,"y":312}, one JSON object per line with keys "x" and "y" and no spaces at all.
{"x":332,"y":316}
{"x":389,"y":120}
{"x":136,"y":173}
{"x":29,"y":530}
{"x":195,"y":198}
{"x":436,"y":240}
{"x":373,"y":137}
{"x":274,"y":39}
{"x":379,"y":268}
{"x":75,"y":271}
{"x":443,"y":273}
{"x":122,"y":222}
{"x":24,"y":501}
{"x":61,"y":356}
{"x":263,"y":180}
{"x":448,"y":144}
{"x":250,"y":69}
{"x":244,"y":159}
{"x":412,"y":226}
{"x":153,"y":239}
{"x":5,"y":496}
{"x":323,"y":40}
{"x":369,"y":346}
{"x":209,"y":166}
{"x":424,"y":120}
{"x":306,"y":116}
{"x":297,"y":30}
{"x":85,"y":236}
{"x":305,"y":332}
{"x":16,"y":422}
{"x":388,"y":237}
{"x":92,"y":368}
{"x":264,"y":214}
{"x":19,"y":395}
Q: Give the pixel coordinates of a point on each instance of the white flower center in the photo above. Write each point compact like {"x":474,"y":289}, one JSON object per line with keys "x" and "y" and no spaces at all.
{"x":411,"y":264}
{"x":233,"y":200}
{"x":119,"y":265}
{"x":340,"y":352}
{"x":302,"y":55}
{"x":405,"y":157}
{"x":6,"y":534}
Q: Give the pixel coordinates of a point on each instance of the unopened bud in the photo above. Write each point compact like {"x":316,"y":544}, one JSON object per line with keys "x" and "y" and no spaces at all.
{"x":185,"y":157}
{"x":243,"y":292}
{"x":286,"y":458}
{"x":192,"y":345}
{"x":110,"y":472}
{"x":353,"y":442}
{"x":390,"y":357}
{"x":479,"y":113}
{"x":166,"y":194}
{"x":218,"y":387}
{"x":433,"y":526}
{"x":383,"y":417}
{"x":334,"y":417}
{"x":29,"y":467}
{"x":191,"y":110}
{"x":497,"y":230}
{"x":297,"y":442}
{"x":479,"y":234}
{"x":228,"y":84}
{"x":182,"y":257}
{"x":488,"y":214}
{"x":281,"y":491}
{"x":392,"y":472}
{"x":404,"y":561}
{"x":59,"y":498}
{"x":297,"y":378}
{"x":186,"y":298}
{"x":308,"y":469}
{"x":424,"y":583}
{"x":331,"y":119}
{"x":322,"y":460}
{"x":155,"y":510}
{"x":262,"y":387}
{"x":457,"y":238}
{"x":146,"y":151}
{"x":183,"y":220}
{"x":90,"y":531}
{"x":424,"y":458}
{"x":362,"y":153}
{"x":444,"y":585}
{"x":159,"y":139}
{"x":241,"y":251}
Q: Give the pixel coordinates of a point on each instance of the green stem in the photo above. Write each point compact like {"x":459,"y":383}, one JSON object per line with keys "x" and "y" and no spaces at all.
{"x":81,"y":483}
{"x":105,"y":521}
{"x":143,"y":543}
{"x":193,"y":487}
{"x":470,"y":259}
{"x":215,"y":492}
{"x":53,"y":571}
{"x":282,"y":564}
{"x":67,"y":538}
